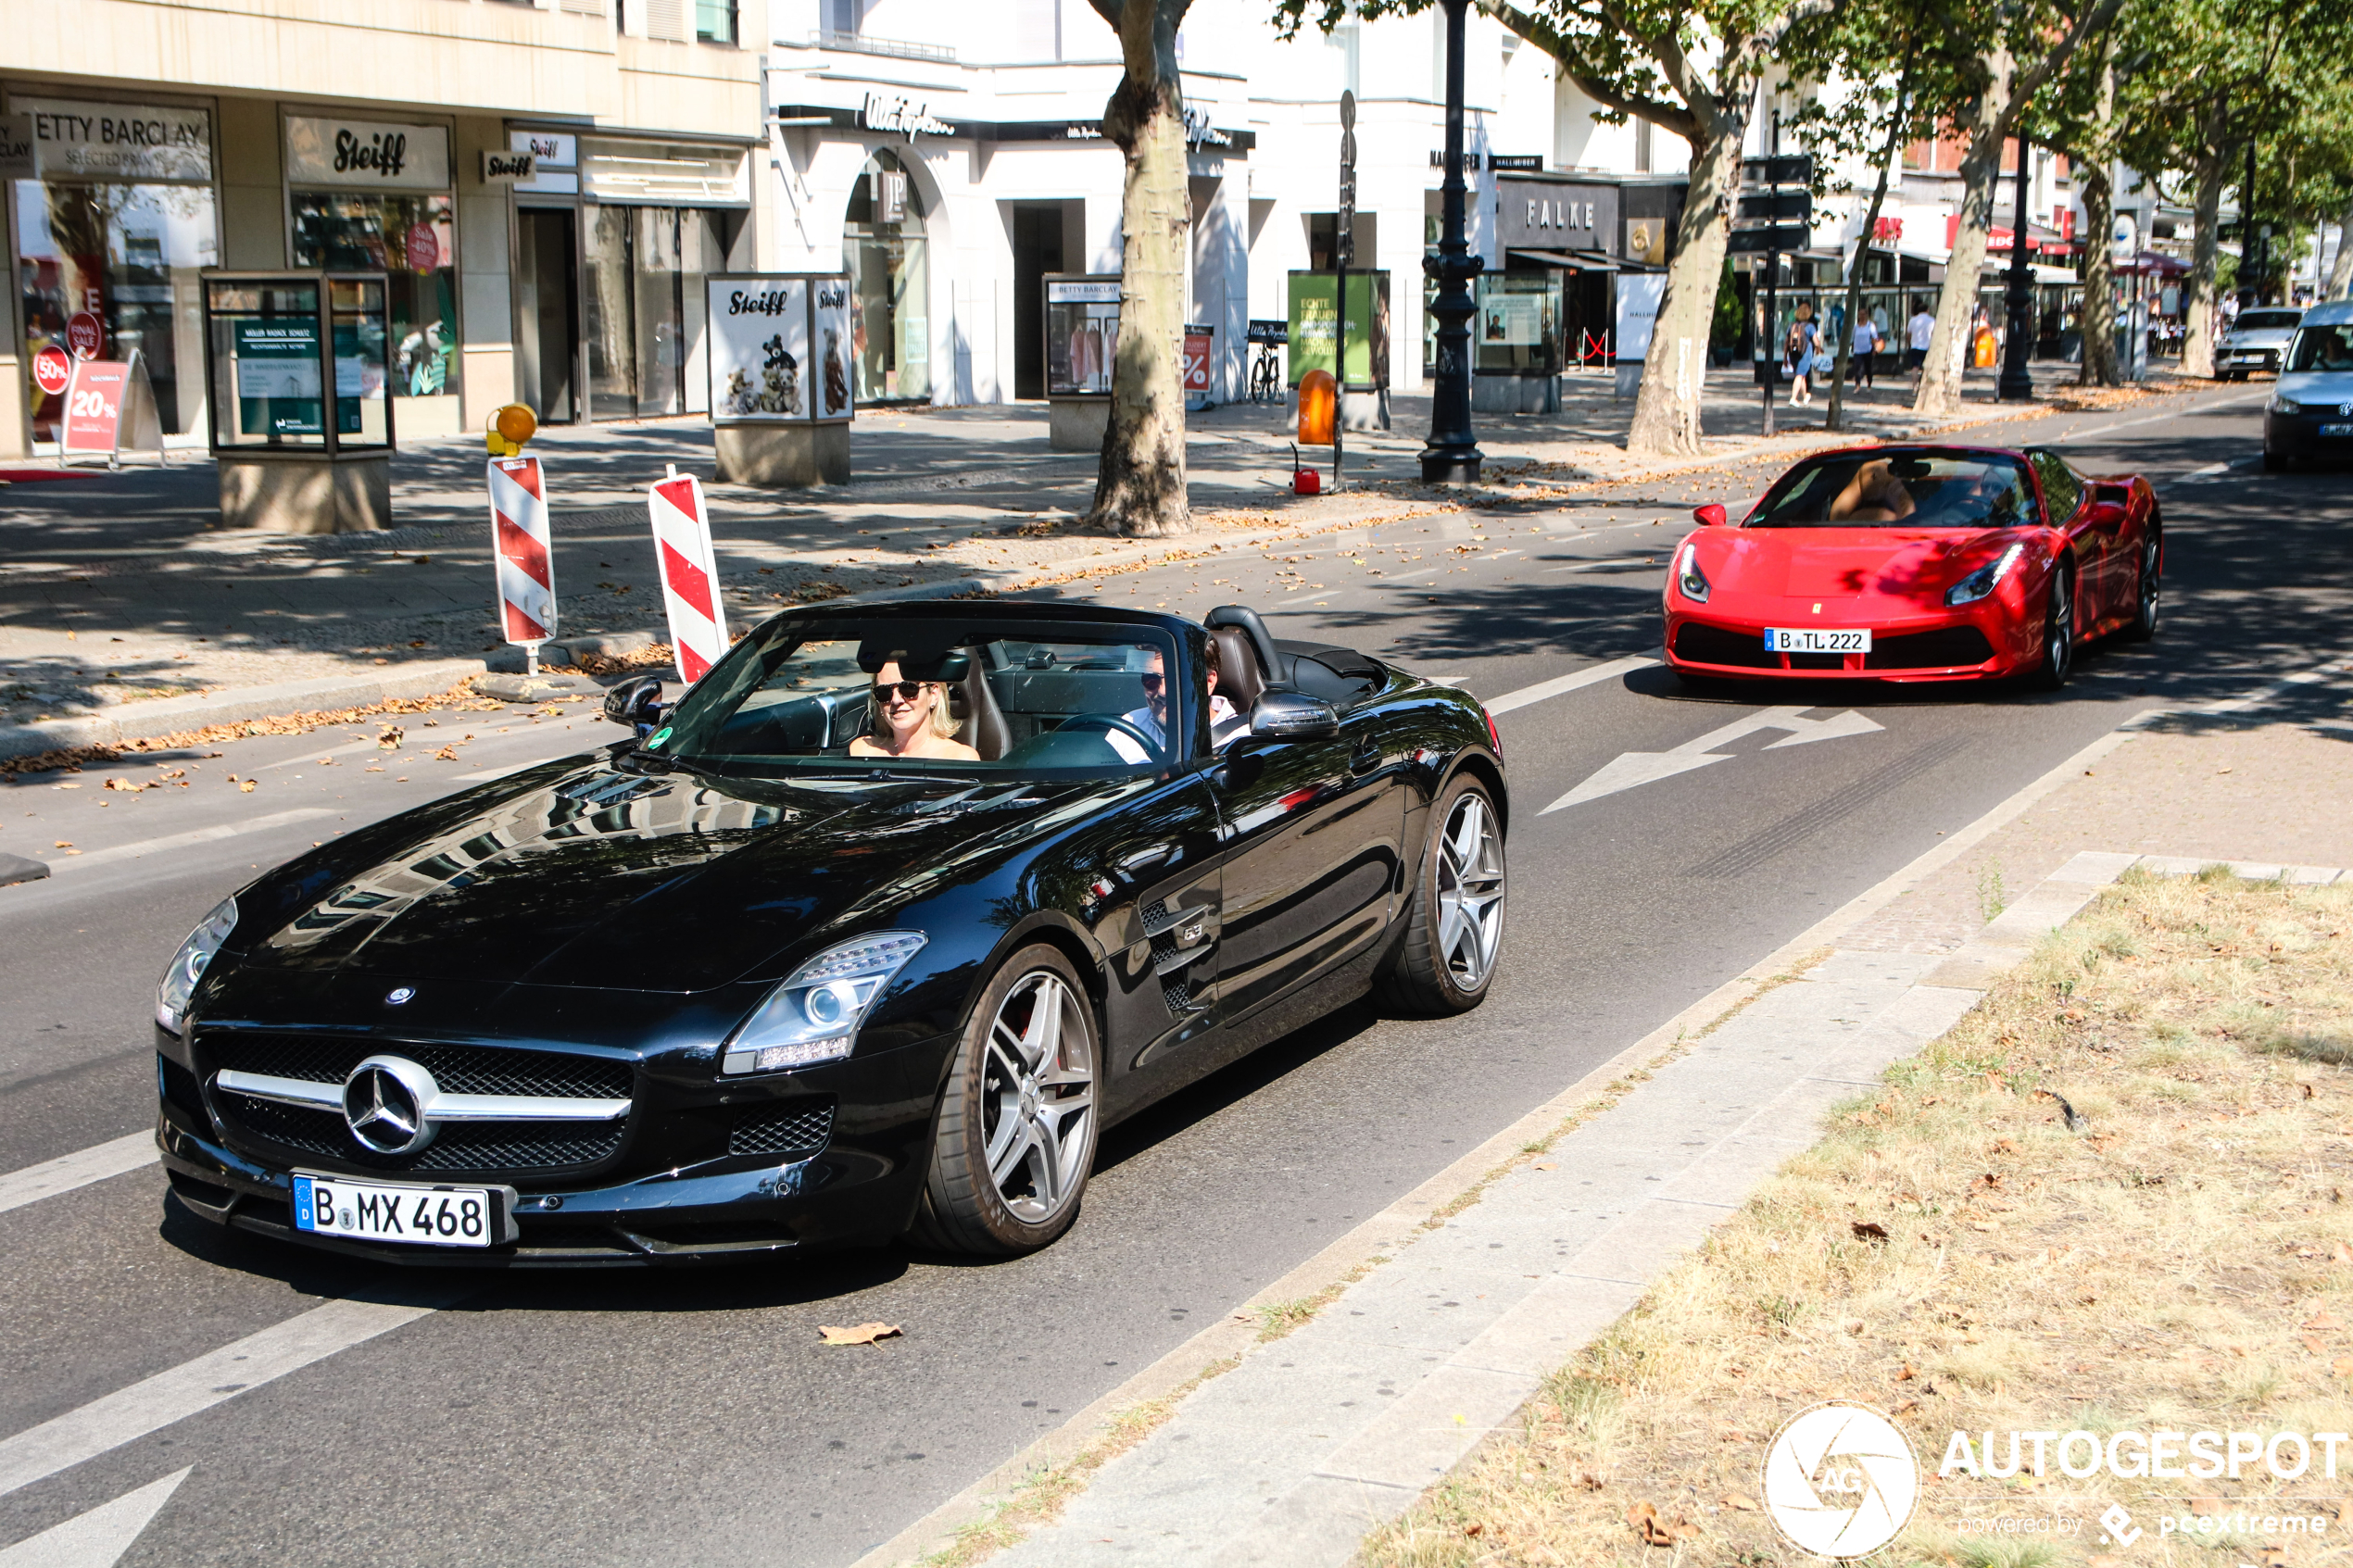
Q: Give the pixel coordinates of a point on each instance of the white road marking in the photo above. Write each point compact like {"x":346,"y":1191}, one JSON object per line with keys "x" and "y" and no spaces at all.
{"x":1634,"y":768}
{"x":156,"y":1402}
{"x":79,"y":1169}
{"x":2154,"y":419}
{"x":183,"y":840}
{"x":98,"y":1538}
{"x":1593,"y":674}
{"x":1597,"y":565}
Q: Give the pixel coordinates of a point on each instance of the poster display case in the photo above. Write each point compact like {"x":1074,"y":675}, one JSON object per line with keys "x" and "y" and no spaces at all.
{"x":1082,"y":339}
{"x":296,"y":364}
{"x":1357,"y":356}
{"x":782,"y":376}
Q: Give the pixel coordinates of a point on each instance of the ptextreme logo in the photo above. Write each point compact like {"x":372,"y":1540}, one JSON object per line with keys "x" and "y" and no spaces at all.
{"x":1840,"y":1480}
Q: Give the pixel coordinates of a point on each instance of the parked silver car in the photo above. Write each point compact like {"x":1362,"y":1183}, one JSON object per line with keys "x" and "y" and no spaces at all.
{"x":2256,"y":341}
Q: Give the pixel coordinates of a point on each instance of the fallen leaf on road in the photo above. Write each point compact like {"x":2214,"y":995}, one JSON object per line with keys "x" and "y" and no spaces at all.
{"x":447,"y":754}
{"x":1735,"y":1499}
{"x":864,"y":1334}
{"x":246,"y":786}
{"x":65,"y":844}
{"x":1544,"y":1165}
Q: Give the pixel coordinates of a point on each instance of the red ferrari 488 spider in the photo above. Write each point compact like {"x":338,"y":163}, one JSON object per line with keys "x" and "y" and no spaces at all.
{"x":1917,"y":563}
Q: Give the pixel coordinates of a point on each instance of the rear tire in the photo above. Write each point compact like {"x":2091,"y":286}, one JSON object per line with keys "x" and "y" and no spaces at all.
{"x":2058,"y":633}
{"x":1454,"y":925}
{"x":1015,"y":1137}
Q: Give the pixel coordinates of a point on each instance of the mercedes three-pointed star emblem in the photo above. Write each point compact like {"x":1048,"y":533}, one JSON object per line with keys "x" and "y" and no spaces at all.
{"x":384,"y":1103}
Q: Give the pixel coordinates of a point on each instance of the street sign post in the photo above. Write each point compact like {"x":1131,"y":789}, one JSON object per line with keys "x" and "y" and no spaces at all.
{"x":1343,"y":252}
{"x":1763,"y":208}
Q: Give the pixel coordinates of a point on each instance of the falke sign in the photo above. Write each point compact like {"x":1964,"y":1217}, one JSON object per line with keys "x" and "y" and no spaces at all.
{"x":367,"y":155}
{"x":1548,"y":215}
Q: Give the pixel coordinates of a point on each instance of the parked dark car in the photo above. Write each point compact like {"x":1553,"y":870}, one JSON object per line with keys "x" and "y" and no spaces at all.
{"x":726,"y":987}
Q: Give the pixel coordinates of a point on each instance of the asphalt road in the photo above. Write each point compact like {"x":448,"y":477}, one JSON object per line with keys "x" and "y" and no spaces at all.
{"x":596,"y":1419}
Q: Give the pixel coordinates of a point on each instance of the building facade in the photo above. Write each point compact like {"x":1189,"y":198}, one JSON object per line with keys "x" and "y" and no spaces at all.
{"x":169,"y":139}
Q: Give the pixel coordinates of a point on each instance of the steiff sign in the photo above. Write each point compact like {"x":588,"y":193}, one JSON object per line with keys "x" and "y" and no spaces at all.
{"x":507,"y":168}
{"x":779,"y":349}
{"x":367,"y":155}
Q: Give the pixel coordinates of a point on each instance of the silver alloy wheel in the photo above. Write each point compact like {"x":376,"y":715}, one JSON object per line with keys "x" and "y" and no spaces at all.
{"x":2058,"y":631}
{"x":1471,"y":892}
{"x":1036,"y":1093}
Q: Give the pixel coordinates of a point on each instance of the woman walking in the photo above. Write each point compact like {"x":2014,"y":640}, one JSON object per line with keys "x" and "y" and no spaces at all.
{"x":1803,"y":338}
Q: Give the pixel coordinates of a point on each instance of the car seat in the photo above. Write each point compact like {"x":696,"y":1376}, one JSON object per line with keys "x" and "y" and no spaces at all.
{"x":973,"y":705}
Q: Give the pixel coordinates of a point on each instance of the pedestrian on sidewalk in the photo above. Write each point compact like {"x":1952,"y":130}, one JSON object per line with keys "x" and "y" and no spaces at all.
{"x":1868,"y":342}
{"x":1921,"y":327}
{"x":1804,"y":336}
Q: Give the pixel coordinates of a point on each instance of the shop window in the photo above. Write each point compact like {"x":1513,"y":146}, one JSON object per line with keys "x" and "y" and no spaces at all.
{"x":885,"y":245}
{"x":1518,"y":324}
{"x":128,"y":253}
{"x":411,"y":240}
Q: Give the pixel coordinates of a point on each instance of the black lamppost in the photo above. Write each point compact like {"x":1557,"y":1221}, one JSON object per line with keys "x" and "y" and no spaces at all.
{"x":1452,"y":454}
{"x":2017,"y":383}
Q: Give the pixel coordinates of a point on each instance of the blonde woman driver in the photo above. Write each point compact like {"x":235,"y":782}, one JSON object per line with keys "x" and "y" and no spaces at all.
{"x":911,"y":719}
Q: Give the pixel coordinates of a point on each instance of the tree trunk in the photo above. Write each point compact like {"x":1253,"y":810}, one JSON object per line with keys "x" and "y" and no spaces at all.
{"x":1833,"y":420}
{"x":1949,"y":345}
{"x":2341,"y":270}
{"x":2098,"y":320}
{"x":1139,"y":488}
{"x":1667,"y":409}
{"x":2198,"y":308}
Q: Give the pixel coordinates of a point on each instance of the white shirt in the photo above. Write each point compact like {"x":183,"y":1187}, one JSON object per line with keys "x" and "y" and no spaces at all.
{"x":1923,"y":327}
{"x":1866,"y":335}
{"x":1225,"y":725}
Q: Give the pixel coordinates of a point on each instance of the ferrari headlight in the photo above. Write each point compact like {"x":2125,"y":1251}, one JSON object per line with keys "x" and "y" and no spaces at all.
{"x":189,"y":964}
{"x":1984,"y":580}
{"x":814,"y":1016}
{"x":1689,"y":577}
{"x":2285,"y":404}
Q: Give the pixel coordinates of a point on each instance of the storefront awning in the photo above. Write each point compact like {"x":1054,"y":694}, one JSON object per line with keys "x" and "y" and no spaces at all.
{"x":1574,"y":263}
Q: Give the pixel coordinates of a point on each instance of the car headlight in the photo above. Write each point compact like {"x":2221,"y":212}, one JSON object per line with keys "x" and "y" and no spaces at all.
{"x":1689,"y":577}
{"x":189,"y":964}
{"x":1984,"y":580}
{"x":2285,"y":404}
{"x":814,"y":1015}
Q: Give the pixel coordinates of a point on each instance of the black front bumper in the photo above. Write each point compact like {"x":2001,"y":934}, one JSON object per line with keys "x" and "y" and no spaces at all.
{"x":645,"y":1205}
{"x":2298,"y":435}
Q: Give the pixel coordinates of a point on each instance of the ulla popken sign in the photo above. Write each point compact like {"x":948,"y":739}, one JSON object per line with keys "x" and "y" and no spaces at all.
{"x":365,"y":155}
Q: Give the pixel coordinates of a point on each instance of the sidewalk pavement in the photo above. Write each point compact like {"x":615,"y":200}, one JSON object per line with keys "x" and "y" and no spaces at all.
{"x":1427,"y":1327}
{"x":120,"y":592}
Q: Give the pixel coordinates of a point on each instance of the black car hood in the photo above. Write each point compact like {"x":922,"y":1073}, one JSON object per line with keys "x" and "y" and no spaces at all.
{"x":609,"y":877}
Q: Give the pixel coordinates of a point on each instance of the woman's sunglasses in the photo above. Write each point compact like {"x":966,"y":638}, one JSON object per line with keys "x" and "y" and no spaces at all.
{"x":908,"y":690}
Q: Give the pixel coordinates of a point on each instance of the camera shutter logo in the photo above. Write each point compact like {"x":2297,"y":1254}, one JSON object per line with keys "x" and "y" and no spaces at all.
{"x":1840,"y":1480}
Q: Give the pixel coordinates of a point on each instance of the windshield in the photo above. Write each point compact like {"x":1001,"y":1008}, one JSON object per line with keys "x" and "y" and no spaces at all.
{"x":1872,"y":489}
{"x":2322,"y":348}
{"x":930,"y":698}
{"x":2268,"y":321}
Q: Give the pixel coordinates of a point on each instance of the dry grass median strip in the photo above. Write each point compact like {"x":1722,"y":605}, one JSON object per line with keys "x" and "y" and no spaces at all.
{"x":1952,"y":1254}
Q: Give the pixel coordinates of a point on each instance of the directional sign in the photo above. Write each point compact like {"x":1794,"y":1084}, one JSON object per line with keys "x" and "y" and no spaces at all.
{"x":1781,"y":168}
{"x":1648,"y":767}
{"x":1781,"y":238}
{"x":1798,"y":205}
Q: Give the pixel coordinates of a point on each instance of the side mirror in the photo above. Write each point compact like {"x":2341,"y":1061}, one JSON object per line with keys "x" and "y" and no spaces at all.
{"x":1292,"y":716}
{"x":1712,"y":515}
{"x":636,"y":704}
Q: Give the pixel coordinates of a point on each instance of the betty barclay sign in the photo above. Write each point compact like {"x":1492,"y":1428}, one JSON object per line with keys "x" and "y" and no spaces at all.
{"x":365,"y":155}
{"x":780,"y":349}
{"x":74,"y":137}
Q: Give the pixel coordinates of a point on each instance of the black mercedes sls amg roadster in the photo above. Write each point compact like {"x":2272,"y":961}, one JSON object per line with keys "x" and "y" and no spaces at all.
{"x":870,"y":933}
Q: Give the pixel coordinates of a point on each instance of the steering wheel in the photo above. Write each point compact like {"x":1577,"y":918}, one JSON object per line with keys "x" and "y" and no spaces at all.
{"x":1113,"y":721}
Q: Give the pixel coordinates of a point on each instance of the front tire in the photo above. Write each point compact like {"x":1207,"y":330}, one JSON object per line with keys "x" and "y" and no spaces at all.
{"x":2058,"y":633}
{"x":1015,"y":1137}
{"x":2142,"y":626}
{"x":1454,"y":925}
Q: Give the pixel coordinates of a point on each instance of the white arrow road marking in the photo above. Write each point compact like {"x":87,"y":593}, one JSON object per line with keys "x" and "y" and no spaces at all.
{"x":128,"y":1414}
{"x":1635,"y":768}
{"x":79,"y":1169}
{"x":98,"y":1538}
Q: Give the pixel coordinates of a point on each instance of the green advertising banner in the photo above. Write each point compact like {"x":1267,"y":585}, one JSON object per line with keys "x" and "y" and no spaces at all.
{"x":279,"y":372}
{"x":1315,"y":327}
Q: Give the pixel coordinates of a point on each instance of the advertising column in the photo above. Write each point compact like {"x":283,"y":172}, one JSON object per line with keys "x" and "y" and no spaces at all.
{"x":781,"y":369}
{"x":376,"y":195}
